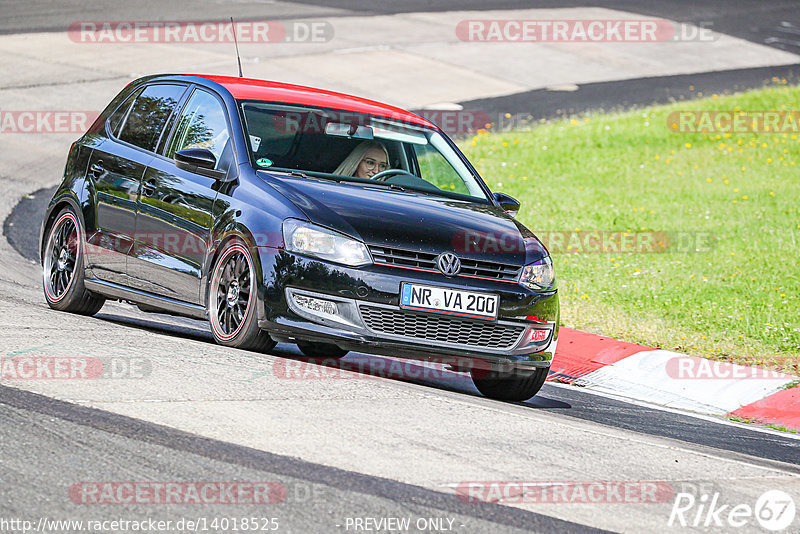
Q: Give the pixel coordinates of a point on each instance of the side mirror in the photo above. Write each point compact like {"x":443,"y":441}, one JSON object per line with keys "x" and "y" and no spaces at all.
{"x":200,"y":161}
{"x":509,"y":204}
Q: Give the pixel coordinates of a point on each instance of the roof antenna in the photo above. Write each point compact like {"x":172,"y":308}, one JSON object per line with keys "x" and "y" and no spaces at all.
{"x":236,"y":42}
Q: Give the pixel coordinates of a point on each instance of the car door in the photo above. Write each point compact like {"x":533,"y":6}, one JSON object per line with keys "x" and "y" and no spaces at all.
{"x":174,"y":211}
{"x":115,"y":172}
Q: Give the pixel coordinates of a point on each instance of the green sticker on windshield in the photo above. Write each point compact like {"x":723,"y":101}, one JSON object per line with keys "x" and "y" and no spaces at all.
{"x":264,"y":162}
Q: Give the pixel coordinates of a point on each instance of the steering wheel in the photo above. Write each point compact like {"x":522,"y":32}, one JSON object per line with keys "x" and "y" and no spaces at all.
{"x":383,"y":175}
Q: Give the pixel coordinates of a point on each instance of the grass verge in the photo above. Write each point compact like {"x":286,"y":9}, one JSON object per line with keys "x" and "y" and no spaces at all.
{"x":723,"y":208}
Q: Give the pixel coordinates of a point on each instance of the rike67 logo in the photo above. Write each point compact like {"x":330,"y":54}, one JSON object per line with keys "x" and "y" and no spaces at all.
{"x":774,"y":510}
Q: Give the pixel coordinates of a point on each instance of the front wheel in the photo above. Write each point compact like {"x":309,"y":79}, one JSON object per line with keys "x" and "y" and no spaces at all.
{"x":514,"y":385}
{"x":232,"y":301}
{"x":62,"y":268}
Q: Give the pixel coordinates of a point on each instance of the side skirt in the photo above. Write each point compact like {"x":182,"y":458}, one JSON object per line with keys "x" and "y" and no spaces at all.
{"x":116,"y":291}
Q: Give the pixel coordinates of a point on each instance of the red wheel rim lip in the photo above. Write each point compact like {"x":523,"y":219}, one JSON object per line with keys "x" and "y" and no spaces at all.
{"x":214,"y":320}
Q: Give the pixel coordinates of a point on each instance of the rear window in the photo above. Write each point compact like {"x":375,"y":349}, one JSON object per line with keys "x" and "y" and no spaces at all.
{"x":149,"y":115}
{"x":116,"y":118}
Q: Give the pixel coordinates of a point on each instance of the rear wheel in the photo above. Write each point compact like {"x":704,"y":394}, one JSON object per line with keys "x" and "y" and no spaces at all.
{"x":232,"y":301}
{"x":514,"y":385}
{"x":321,"y":350}
{"x":62,"y":268}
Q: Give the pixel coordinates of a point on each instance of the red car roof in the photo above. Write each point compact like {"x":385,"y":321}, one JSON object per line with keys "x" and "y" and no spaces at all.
{"x":251,"y":89}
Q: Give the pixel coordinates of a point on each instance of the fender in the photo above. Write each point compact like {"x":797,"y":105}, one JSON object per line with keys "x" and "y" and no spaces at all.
{"x":71,"y":192}
{"x":251,"y":211}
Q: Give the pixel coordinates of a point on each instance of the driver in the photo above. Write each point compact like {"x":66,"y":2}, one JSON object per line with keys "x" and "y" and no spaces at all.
{"x":365,"y":161}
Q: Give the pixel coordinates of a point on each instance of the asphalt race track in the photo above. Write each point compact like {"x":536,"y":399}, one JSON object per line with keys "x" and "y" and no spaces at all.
{"x":346,"y":449}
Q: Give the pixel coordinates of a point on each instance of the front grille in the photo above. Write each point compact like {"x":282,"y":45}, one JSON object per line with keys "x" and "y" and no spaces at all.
{"x":425,"y":260}
{"x":440,"y":328}
{"x":487,"y":269}
{"x":404,"y":258}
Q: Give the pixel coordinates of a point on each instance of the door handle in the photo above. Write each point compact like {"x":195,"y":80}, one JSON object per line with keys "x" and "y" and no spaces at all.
{"x":149,"y":187}
{"x":96,"y":168}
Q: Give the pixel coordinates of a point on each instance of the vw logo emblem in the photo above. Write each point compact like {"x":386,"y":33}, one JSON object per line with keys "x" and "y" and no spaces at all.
{"x":449,"y":264}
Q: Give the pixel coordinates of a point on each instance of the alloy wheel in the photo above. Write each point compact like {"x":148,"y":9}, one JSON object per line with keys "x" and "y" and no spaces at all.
{"x":233,"y":279}
{"x":61,"y":257}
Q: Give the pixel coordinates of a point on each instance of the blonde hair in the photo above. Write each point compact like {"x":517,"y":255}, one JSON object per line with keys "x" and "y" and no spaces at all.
{"x":350,"y":164}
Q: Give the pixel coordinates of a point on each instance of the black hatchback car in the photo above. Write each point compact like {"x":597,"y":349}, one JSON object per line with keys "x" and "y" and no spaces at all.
{"x":283,"y":213}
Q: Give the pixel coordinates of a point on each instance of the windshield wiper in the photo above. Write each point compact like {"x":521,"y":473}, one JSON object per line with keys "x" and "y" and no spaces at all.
{"x":394,"y":187}
{"x":299,"y":174}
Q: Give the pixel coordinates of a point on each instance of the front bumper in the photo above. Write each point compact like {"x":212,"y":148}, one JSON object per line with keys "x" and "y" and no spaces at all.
{"x":368,"y":317}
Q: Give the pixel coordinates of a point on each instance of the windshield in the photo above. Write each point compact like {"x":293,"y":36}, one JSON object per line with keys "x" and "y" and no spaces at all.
{"x":344,"y":145}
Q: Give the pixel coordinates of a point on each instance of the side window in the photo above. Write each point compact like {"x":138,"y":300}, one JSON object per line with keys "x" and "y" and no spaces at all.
{"x":202,"y":124}
{"x":272,"y":132}
{"x":116,"y":118}
{"x":436,"y":170}
{"x":149,"y":114}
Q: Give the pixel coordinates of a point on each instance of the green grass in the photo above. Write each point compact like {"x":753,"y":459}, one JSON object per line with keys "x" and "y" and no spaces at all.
{"x":752,"y":421}
{"x":792,"y":384}
{"x":737,"y":298}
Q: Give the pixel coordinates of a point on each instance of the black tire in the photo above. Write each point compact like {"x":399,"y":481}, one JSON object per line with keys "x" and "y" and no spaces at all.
{"x":232,"y":299}
{"x":321,"y":350}
{"x":509,"y":385}
{"x":62,"y":267}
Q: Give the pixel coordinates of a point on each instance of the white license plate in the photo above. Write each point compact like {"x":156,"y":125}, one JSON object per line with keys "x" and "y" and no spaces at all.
{"x":448,"y":301}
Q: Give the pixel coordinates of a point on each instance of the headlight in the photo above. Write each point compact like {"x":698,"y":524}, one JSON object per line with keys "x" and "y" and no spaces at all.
{"x":312,"y":240}
{"x":539,"y":275}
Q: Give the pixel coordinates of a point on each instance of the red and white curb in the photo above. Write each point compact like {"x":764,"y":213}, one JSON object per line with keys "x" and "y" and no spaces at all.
{"x":675,"y":380}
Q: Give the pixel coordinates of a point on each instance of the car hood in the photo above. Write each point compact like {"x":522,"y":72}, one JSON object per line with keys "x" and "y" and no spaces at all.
{"x":411,"y":220}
